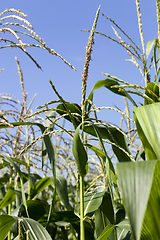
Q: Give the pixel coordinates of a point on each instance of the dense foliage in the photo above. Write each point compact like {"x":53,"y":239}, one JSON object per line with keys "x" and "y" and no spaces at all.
{"x":95,"y":180}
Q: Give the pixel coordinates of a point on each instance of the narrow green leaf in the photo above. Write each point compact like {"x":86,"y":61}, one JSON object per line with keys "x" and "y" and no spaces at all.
{"x":6,"y":223}
{"x":80,"y":154}
{"x":109,"y":83}
{"x":106,"y":232}
{"x":135,"y":180}
{"x":115,"y":136}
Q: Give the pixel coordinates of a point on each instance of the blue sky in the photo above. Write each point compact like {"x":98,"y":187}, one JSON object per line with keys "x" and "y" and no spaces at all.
{"x":59,"y":24}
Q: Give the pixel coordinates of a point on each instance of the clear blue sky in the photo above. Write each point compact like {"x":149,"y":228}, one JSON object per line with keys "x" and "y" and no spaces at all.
{"x":59,"y":23}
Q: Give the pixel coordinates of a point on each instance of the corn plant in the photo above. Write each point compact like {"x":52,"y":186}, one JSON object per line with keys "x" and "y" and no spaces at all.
{"x":80,"y":191}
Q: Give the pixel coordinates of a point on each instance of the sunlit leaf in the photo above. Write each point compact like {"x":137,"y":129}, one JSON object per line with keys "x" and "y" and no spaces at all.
{"x":135,"y":181}
{"x":147,"y":120}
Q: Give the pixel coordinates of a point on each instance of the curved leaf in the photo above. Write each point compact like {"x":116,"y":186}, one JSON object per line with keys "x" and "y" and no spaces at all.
{"x":109,"y":83}
{"x":35,"y":230}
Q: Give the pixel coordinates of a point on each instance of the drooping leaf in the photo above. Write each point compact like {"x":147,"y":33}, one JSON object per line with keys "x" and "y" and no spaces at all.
{"x":80,"y":154}
{"x":109,"y":83}
{"x":147,"y":120}
{"x":135,"y":181}
{"x":92,"y":201}
{"x":6,"y":223}
{"x":115,"y":136}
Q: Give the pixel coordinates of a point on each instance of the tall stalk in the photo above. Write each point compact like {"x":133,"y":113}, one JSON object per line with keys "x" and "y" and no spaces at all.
{"x":83,"y":106}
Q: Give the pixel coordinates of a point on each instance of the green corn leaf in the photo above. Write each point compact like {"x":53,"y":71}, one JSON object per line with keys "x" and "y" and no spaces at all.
{"x":135,"y":181}
{"x":6,"y":223}
{"x":80,"y":154}
{"x":115,"y":136}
